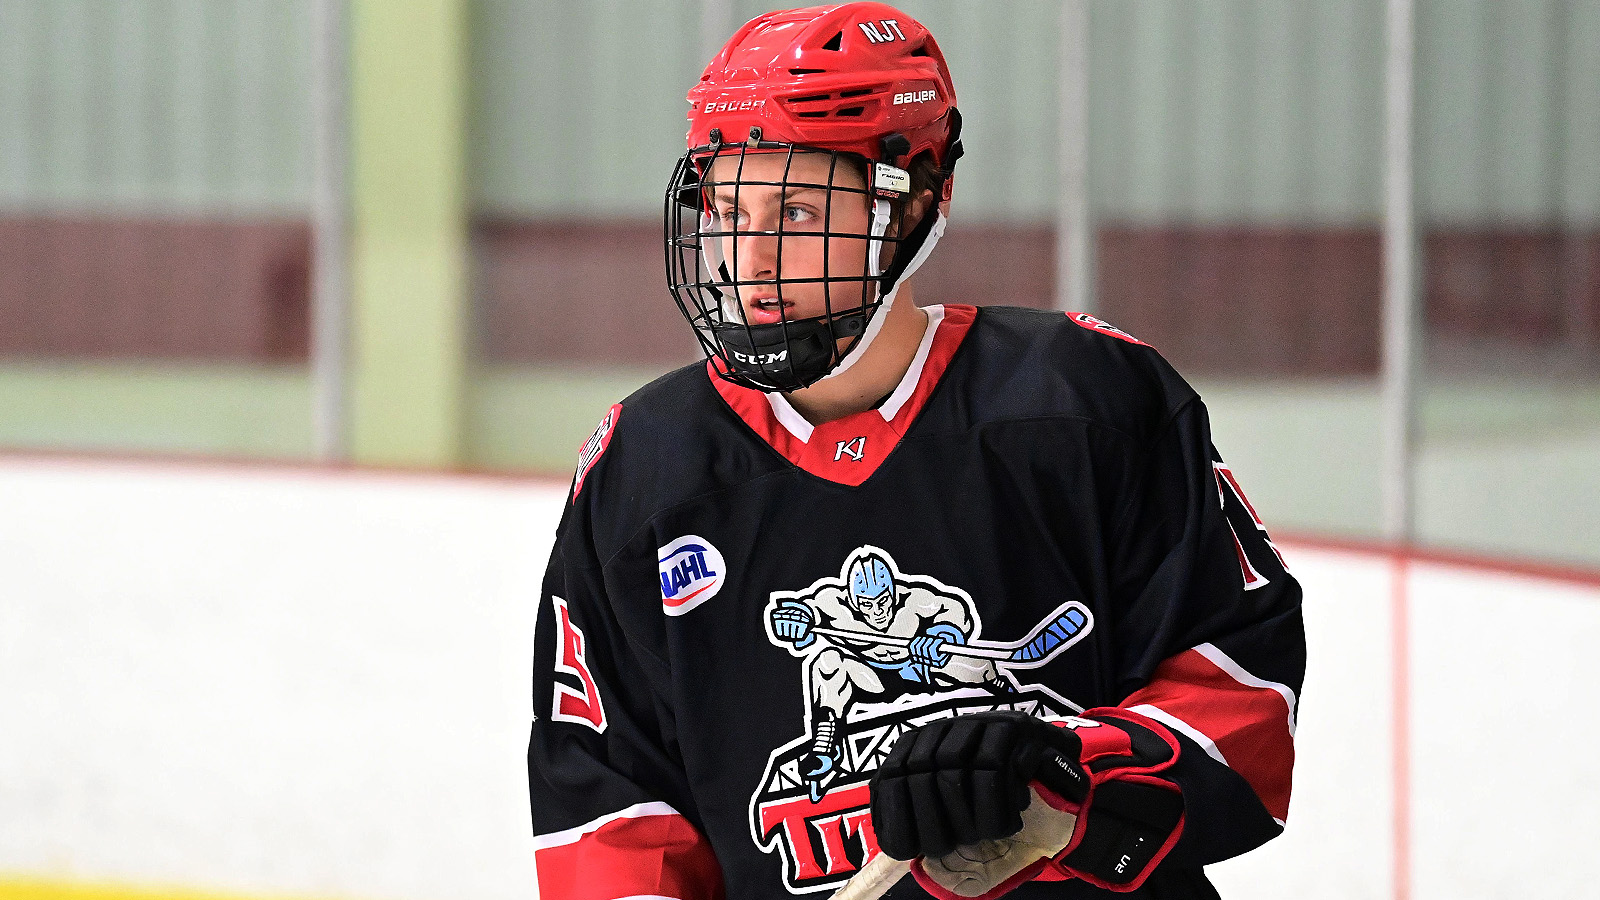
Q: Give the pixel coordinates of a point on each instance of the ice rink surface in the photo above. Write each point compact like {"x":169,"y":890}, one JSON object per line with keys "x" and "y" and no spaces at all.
{"x":268,"y":683}
{"x":290,"y":683}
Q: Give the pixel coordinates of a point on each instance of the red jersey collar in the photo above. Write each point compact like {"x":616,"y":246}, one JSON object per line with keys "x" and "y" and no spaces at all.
{"x":850,"y":449}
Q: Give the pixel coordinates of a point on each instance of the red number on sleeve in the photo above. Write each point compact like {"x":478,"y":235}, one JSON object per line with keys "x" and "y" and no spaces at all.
{"x":570,"y":705}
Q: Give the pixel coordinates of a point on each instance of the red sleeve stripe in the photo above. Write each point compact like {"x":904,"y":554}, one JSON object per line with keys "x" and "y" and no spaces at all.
{"x":645,"y":852}
{"x":1240,"y":720}
{"x":1189,"y":731}
{"x":1237,"y":672}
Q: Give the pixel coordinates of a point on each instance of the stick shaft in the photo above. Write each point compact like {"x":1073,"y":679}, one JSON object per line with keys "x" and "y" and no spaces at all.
{"x":1072,"y":618}
{"x":944,"y":646}
{"x":875,"y":878}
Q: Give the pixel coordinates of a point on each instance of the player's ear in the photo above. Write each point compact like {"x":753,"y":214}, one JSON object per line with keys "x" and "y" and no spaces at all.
{"x":916,"y":208}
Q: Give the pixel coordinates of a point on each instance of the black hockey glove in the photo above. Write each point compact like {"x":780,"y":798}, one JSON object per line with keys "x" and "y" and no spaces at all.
{"x":961,"y":781}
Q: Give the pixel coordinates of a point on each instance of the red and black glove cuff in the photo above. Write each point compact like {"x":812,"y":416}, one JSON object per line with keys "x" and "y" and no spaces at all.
{"x":1130,"y":815}
{"x":960,"y":781}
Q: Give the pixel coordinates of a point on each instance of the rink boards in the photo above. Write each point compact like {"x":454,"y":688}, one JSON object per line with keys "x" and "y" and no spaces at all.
{"x":285,"y":683}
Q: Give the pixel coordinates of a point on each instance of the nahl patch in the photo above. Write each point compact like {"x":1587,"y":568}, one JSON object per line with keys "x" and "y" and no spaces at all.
{"x":692,"y":571}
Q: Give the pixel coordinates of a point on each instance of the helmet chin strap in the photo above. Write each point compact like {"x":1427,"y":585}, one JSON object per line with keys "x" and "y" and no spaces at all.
{"x":880,"y":226}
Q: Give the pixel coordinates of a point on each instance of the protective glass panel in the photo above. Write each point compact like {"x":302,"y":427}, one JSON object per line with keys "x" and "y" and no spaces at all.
{"x":154,"y":226}
{"x":576,"y":124}
{"x":1508,"y":193}
{"x":1236,"y":174}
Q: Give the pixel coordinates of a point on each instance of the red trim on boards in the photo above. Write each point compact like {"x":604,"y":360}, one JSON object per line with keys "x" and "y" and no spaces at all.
{"x":1572,"y":573}
{"x":1400,"y":681}
{"x":201,"y":462}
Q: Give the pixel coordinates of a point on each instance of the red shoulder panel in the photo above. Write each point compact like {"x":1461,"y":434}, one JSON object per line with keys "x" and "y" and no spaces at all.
{"x":589,"y":453}
{"x":1104,"y":327}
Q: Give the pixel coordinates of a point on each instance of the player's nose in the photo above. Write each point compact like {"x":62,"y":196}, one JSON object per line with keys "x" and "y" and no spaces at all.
{"x":756,"y":256}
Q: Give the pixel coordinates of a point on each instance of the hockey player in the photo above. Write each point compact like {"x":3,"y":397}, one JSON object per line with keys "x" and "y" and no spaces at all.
{"x":963,"y":586}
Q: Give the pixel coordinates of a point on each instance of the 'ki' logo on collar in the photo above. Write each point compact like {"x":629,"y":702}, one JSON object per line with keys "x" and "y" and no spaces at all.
{"x":855,"y":448}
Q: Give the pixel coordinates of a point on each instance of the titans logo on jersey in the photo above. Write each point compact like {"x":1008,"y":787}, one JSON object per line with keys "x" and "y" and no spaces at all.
{"x":885,"y":652}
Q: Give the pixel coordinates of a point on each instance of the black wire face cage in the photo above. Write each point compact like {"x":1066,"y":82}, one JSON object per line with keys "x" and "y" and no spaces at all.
{"x":791,"y":353}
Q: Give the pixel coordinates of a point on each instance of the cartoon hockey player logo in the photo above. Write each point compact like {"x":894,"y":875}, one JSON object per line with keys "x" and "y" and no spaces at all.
{"x":877,"y":637}
{"x":884,"y":652}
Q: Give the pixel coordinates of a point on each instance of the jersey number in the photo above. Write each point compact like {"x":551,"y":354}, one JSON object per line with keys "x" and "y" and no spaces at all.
{"x":1227,"y":484}
{"x":580,"y":708}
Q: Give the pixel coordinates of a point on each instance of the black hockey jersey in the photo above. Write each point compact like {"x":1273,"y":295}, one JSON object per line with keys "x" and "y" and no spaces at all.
{"x":1040,"y":494}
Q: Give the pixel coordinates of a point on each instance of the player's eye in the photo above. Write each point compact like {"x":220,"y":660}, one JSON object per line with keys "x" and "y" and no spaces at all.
{"x":798,"y":215}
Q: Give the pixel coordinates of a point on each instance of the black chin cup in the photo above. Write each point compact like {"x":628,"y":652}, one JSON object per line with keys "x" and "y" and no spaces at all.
{"x":786,"y":356}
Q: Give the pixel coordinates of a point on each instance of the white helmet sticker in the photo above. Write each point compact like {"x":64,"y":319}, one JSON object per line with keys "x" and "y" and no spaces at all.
{"x":890,"y":179}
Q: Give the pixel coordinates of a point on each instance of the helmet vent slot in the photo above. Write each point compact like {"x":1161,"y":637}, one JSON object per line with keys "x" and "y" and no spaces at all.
{"x":921,"y":51}
{"x":852,"y":111}
{"x":855,"y":93}
{"x":806,"y":71}
{"x":808,"y":98}
{"x":833,"y":42}
{"x":812,"y":115}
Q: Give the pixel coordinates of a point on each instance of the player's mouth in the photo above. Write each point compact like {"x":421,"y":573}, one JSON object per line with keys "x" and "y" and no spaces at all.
{"x":767,"y":310}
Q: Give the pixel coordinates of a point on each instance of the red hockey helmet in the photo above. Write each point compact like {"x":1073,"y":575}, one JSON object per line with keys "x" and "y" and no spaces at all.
{"x":839,"y":77}
{"x":864,"y":84}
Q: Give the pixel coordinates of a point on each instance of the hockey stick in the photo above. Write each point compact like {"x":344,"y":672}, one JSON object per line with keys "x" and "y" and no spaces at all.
{"x":1069,"y":622}
{"x":1045,"y":833}
{"x":875,"y":878}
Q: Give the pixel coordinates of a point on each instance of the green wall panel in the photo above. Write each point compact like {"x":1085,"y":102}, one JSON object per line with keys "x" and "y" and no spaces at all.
{"x":408,"y":248}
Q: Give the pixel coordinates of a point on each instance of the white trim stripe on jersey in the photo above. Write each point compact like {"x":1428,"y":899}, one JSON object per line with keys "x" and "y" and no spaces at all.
{"x":908,"y":384}
{"x":1177,"y":724}
{"x":1237,"y":672}
{"x":788,"y":416}
{"x":572,"y":835}
{"x":797,"y":425}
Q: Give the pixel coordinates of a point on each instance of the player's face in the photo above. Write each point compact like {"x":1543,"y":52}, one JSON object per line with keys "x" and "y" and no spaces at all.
{"x":878,"y":610}
{"x":805,"y":203}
